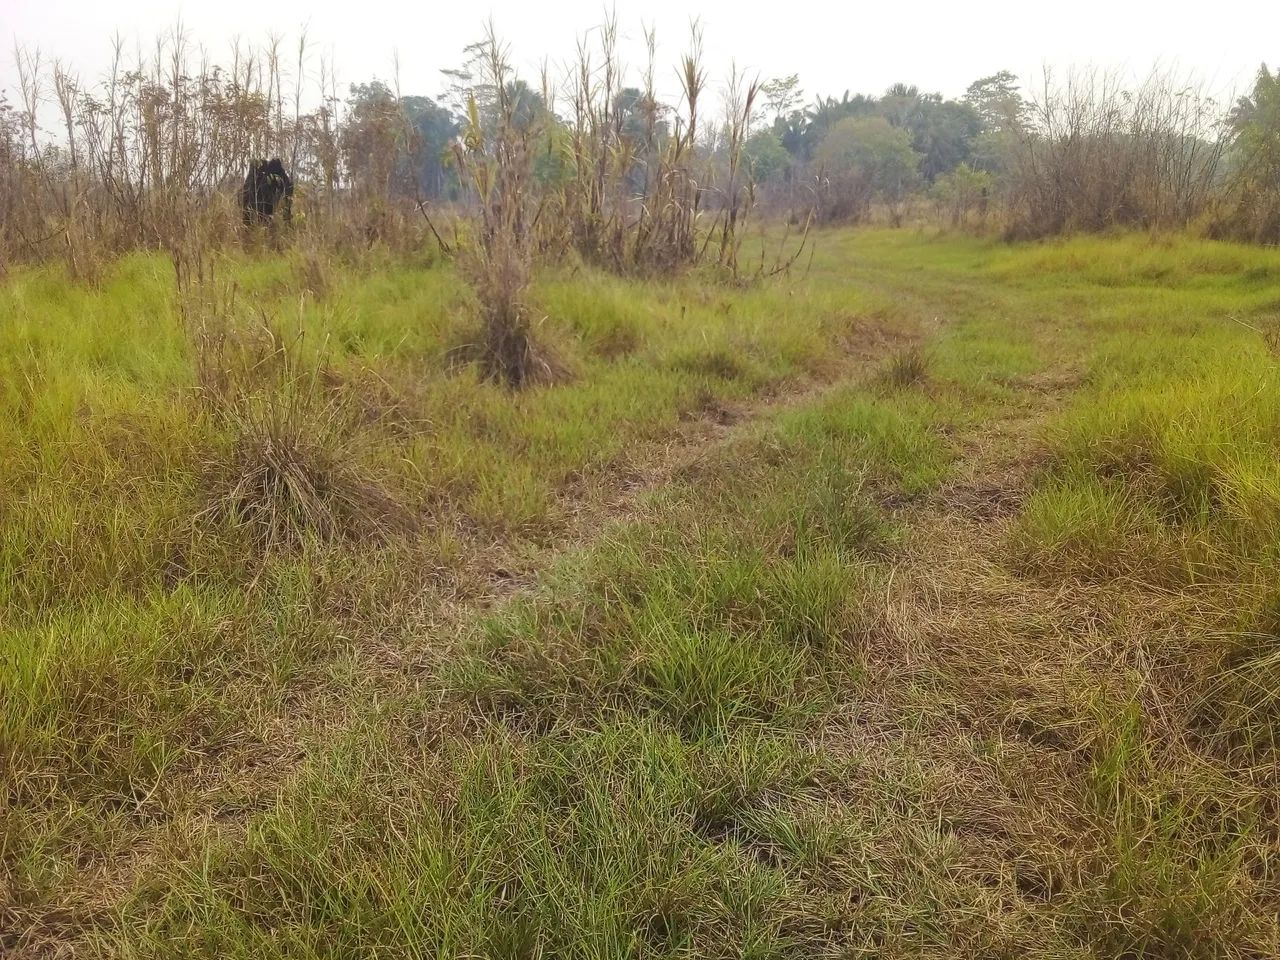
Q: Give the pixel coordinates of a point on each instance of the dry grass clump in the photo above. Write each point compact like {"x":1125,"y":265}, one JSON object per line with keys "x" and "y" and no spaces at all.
{"x":496,"y":159}
{"x":906,"y":368}
{"x":291,"y":467}
{"x":289,"y":474}
{"x":1236,"y":685}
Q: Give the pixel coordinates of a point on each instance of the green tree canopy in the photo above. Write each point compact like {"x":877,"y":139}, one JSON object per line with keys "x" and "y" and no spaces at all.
{"x":1005,"y":116}
{"x":432,"y":128}
{"x":767,"y":159}
{"x":998,"y":102}
{"x":864,"y":159}
{"x":1255,"y":126}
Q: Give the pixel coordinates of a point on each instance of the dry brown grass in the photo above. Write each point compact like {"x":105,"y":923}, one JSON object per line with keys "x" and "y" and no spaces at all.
{"x":289,"y":475}
{"x":1055,"y":728}
{"x":291,"y":467}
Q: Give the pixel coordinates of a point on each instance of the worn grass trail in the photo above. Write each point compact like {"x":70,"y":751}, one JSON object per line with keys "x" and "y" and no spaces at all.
{"x":339,"y":618}
{"x":496,"y":576}
{"x":941,"y":643}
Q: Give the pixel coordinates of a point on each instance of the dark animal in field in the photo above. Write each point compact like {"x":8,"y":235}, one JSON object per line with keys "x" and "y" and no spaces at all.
{"x":267,"y":191}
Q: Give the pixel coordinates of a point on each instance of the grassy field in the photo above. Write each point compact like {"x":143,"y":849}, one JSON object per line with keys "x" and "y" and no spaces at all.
{"x":922,"y":604}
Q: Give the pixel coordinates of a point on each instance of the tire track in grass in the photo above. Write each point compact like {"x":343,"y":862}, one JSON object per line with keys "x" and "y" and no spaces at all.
{"x":1001,"y":696}
{"x":221,"y":793}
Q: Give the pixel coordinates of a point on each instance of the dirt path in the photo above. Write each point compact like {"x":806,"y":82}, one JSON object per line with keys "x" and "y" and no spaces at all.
{"x":611,"y":495}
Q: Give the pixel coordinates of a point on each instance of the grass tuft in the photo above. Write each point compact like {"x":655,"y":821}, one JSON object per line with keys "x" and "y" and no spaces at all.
{"x":906,"y":368}
{"x":292,"y":444}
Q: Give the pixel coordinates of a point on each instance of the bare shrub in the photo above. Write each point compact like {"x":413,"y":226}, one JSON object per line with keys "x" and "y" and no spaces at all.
{"x":738,"y":193}
{"x":154,"y":152}
{"x":496,"y":160}
{"x":1096,"y":155}
{"x":1241,"y":697}
{"x":650,"y":188}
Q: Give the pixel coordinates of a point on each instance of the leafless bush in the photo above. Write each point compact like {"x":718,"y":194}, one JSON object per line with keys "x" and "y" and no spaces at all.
{"x":496,"y":160}
{"x":1097,"y":155}
{"x":738,"y":193}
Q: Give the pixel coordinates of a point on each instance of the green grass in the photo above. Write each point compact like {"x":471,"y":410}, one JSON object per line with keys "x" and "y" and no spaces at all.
{"x":918,"y":604}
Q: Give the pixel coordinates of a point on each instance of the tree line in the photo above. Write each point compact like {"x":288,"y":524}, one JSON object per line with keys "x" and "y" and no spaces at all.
{"x":134,"y":158}
{"x":1086,"y":154}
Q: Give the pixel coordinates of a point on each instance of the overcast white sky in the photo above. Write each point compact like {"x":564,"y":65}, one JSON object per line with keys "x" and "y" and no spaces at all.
{"x":863,"y":47}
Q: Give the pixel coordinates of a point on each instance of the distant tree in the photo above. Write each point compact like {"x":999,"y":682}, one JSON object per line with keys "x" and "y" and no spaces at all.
{"x":642,"y":129}
{"x":465,"y":84}
{"x":998,"y":102}
{"x":825,"y":113}
{"x":942,"y":131}
{"x":633,"y":109}
{"x":470,"y":83}
{"x":10,"y":172}
{"x":963,"y":192}
{"x":1005,"y":116}
{"x":1254,"y":187}
{"x":790,"y":131}
{"x":781,"y":96}
{"x":861,"y":160}
{"x":528,"y":106}
{"x":900,"y":103}
{"x":432,"y":130}
{"x":767,"y":159}
{"x":397,"y":146}
{"x":374,"y":138}
{"x":1255,"y":121}
{"x":551,"y":164}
